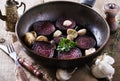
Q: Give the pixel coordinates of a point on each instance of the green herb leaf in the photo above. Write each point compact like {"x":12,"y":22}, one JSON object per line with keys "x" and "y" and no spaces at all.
{"x":66,"y":44}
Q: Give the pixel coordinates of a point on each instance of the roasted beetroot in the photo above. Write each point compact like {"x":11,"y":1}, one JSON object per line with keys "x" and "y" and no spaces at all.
{"x":43,"y":27}
{"x":72,"y":54}
{"x":57,"y":39}
{"x":65,"y":23}
{"x":85,"y":42}
{"x":43,"y":49}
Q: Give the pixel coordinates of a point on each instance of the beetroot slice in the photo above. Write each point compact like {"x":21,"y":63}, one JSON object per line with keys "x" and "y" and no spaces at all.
{"x":43,"y":27}
{"x":59,"y":23}
{"x":43,"y":49}
{"x":85,"y":42}
{"x":57,"y":39}
{"x":72,"y":54}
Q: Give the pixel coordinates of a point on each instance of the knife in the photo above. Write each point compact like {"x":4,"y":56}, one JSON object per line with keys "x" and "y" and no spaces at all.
{"x":21,"y":76}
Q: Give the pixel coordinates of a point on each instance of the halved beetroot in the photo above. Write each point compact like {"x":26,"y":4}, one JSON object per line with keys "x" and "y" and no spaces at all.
{"x":72,"y":54}
{"x":85,"y":42}
{"x":69,"y":23}
{"x":43,"y":49}
{"x":43,"y":27}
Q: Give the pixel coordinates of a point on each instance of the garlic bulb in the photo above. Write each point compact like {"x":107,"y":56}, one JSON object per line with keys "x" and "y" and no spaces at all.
{"x":103,"y":67}
{"x":103,"y":70}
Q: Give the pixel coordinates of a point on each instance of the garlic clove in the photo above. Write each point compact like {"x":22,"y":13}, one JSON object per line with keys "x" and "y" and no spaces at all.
{"x":82,"y":32}
{"x":62,"y":75}
{"x":57,"y":33}
{"x":70,"y":37}
{"x":106,"y":68}
{"x":72,"y":32}
{"x":67,"y":23}
{"x":109,"y":59}
{"x":42,"y":38}
{"x":30,"y":37}
{"x":34,"y":33}
{"x":90,"y":51}
{"x":97,"y":61}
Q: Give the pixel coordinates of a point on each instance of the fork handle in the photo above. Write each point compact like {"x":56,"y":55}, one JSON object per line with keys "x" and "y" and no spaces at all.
{"x":29,"y":66}
{"x":21,"y":76}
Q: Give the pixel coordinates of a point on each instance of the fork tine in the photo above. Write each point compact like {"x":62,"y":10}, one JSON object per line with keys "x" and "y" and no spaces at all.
{"x":10,"y":48}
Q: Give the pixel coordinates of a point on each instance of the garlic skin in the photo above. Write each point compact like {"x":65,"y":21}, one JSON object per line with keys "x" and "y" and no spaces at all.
{"x":62,"y":75}
{"x":103,"y":67}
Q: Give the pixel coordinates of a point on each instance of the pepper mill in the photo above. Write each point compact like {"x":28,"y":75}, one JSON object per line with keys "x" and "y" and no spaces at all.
{"x":111,"y":10}
{"x":11,"y":16}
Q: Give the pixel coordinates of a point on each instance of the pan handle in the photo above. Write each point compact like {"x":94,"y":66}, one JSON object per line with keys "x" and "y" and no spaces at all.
{"x":89,"y":3}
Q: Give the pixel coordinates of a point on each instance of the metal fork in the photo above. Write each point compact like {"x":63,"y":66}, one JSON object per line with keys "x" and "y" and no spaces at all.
{"x":20,"y":72}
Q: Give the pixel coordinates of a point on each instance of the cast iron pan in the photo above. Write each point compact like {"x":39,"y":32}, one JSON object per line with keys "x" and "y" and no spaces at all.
{"x":51,"y":11}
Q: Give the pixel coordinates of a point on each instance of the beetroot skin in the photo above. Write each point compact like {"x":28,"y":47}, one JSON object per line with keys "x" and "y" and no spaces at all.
{"x":73,"y":53}
{"x":43,"y":49}
{"x":85,"y":42}
{"x":43,"y":27}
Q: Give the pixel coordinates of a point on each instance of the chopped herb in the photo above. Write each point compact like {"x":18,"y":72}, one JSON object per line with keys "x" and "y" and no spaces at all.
{"x":66,"y":44}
